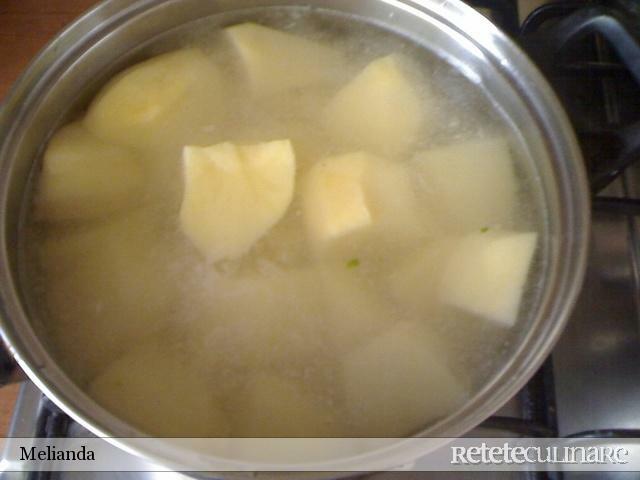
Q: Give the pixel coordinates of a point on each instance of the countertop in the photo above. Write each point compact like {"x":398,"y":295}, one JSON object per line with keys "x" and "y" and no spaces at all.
{"x":25,"y":27}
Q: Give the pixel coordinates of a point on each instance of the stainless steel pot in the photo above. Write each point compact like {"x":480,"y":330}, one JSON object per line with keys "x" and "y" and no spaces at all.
{"x":118,"y":32}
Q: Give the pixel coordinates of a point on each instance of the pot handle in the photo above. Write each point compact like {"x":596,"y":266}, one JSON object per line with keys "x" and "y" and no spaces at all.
{"x":10,"y":372}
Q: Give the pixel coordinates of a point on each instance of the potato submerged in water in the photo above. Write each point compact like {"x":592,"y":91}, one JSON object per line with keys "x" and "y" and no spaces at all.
{"x":254,"y":321}
{"x":354,"y":311}
{"x":147,"y":383}
{"x":153,"y":103}
{"x":84,"y":178}
{"x":482,"y":274}
{"x":109,"y":286}
{"x":359,"y":194}
{"x":397,"y":382}
{"x":486,"y":274}
{"x":276,"y":61}
{"x":380,"y":110}
{"x":469,"y":185}
{"x":273,"y":406}
{"x":415,"y":281}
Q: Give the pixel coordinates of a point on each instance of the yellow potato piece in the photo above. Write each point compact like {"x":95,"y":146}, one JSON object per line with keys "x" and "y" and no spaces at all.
{"x":359,"y":194}
{"x":84,"y":178}
{"x":157,"y":102}
{"x":470,"y":185}
{"x":276,"y":61}
{"x":159,"y":391}
{"x":486,"y":274}
{"x":273,"y":406}
{"x":233,"y":195}
{"x":336,"y":201}
{"x":398,"y":383}
{"x":380,"y":110}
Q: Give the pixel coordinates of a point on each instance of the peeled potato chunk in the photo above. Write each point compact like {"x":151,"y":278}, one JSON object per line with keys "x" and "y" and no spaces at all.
{"x":336,"y":202}
{"x":273,"y":406}
{"x":379,"y":110}
{"x":144,"y":387}
{"x":357,"y":193}
{"x":276,"y":61}
{"x":414,"y":282}
{"x":234,"y":194}
{"x":470,"y":185}
{"x":486,"y":274}
{"x":158,"y":100}
{"x":398,"y":382}
{"x":354,"y":312}
{"x":109,"y":285}
{"x":85,"y":178}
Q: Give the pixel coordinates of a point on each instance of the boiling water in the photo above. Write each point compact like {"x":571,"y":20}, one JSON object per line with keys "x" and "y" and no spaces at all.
{"x":287,"y":340}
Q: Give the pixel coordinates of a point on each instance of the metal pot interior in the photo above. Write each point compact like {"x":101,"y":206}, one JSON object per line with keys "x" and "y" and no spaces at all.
{"x":118,"y":33}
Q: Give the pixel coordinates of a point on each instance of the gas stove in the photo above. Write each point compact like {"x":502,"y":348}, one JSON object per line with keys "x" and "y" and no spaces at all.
{"x":590,"y":385}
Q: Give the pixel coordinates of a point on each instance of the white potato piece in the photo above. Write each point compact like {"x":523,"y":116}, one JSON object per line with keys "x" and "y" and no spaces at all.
{"x":273,"y":406}
{"x":486,"y":274}
{"x":276,"y":61}
{"x":84,"y":178}
{"x":380,"y":110}
{"x":157,"y":390}
{"x":156,"y":102}
{"x":471,"y":185}
{"x":356,"y":193}
{"x":399,"y":382}
{"x":109,"y":285}
{"x":233,"y":195}
{"x":415,"y":281}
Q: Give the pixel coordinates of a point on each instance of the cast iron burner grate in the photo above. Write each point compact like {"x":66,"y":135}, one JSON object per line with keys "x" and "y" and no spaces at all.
{"x":590,"y":53}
